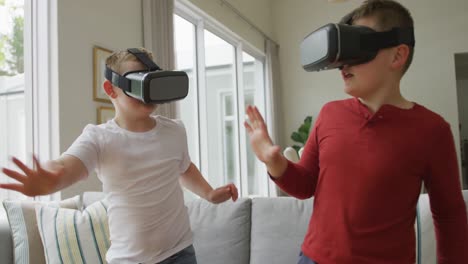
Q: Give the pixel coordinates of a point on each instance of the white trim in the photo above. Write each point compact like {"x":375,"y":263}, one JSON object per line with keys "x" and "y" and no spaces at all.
{"x":202,"y":109}
{"x":44,"y":81}
{"x":196,"y":94}
{"x":244,"y":175}
{"x":235,"y":104}
{"x":28,"y":72}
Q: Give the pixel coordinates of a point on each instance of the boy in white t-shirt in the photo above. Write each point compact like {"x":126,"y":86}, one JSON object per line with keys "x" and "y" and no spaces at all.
{"x":140,"y":160}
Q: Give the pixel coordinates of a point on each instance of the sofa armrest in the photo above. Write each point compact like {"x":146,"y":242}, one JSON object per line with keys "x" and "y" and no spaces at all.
{"x":6,"y":248}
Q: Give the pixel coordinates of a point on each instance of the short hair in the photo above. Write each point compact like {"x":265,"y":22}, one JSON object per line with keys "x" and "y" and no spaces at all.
{"x":387,"y":14}
{"x":116,"y":59}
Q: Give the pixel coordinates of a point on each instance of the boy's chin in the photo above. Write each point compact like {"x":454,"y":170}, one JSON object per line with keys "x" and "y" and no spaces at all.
{"x":351,"y":90}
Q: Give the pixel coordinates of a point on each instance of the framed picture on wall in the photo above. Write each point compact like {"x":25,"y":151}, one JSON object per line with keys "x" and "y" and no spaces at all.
{"x":104,"y":114}
{"x":99,"y":65}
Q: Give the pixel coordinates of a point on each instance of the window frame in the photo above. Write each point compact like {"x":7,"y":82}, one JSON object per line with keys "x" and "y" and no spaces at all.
{"x":41,"y":82}
{"x":202,"y":21}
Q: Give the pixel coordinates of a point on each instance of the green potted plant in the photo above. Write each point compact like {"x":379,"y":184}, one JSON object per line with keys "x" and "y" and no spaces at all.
{"x":300,"y":136}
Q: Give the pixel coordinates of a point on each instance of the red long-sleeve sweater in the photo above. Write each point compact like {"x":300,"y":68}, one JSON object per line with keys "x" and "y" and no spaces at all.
{"x":365,"y":171}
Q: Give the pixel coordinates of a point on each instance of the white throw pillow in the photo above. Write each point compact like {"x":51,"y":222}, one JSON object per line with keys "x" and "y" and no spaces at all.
{"x":26,"y":239}
{"x":73,"y":236}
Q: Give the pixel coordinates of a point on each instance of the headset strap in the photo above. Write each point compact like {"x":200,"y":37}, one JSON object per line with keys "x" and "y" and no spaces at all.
{"x":117,"y":79}
{"x":143,"y":57}
{"x":379,"y":40}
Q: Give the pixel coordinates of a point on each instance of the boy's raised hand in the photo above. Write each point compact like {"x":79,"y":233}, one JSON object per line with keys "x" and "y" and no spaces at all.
{"x":223,"y":194}
{"x":260,"y":140}
{"x":33,"y":182}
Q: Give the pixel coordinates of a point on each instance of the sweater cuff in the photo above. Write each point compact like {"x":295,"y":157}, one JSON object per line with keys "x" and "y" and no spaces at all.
{"x":283,"y":178}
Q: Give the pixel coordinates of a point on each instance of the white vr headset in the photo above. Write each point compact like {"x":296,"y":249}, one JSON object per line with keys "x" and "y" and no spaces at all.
{"x":336,"y":45}
{"x":153,"y":85}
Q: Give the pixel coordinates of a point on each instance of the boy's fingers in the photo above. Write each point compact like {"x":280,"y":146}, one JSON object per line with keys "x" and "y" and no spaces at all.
{"x":251,"y":114}
{"x":37,"y":163}
{"x":13,"y":187}
{"x":21,"y":166}
{"x":234,"y":192}
{"x":258,"y":116}
{"x":14,"y":175}
{"x":248,"y":127}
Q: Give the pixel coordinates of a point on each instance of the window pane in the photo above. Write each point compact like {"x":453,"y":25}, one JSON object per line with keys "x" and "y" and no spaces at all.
{"x":252,"y":85}
{"x":12,"y":85}
{"x":184,"y":40}
{"x":220,"y":77}
{"x":228,"y":107}
{"x":229,"y":162}
{"x":184,"y":32}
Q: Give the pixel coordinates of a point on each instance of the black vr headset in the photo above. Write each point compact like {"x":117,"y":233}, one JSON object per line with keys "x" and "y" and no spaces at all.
{"x":153,"y":85}
{"x":335,"y":45}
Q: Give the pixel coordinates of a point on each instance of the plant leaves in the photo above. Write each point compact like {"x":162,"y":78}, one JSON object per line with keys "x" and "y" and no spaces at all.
{"x":296,"y":137}
{"x":304,"y":137}
{"x":302,"y":132}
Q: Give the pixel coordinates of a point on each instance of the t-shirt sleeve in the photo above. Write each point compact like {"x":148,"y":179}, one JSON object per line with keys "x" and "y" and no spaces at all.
{"x":185,"y":160}
{"x":86,"y":148}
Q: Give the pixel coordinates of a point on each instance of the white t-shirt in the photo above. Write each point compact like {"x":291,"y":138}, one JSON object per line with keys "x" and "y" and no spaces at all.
{"x":148,"y":220}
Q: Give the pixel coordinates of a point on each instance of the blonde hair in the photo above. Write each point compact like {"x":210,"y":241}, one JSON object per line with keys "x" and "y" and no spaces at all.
{"x":116,"y":59}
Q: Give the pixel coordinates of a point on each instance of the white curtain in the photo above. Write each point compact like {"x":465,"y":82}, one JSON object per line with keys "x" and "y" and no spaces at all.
{"x":272,"y":85}
{"x":273,"y":103}
{"x":158,"y":37}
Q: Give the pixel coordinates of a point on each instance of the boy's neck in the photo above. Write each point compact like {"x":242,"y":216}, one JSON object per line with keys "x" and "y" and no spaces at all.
{"x":374,"y":102}
{"x":136,"y":125}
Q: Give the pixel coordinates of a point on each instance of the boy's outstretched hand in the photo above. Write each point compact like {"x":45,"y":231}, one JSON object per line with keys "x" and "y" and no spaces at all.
{"x":33,"y":182}
{"x":223,"y":194}
{"x":260,"y":141}
{"x":262,"y":145}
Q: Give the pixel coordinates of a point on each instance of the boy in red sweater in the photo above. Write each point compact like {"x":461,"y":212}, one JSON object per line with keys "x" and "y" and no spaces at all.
{"x":366,"y":159}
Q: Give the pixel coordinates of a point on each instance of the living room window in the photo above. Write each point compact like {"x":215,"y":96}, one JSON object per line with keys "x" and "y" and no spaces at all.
{"x":14,"y":114}
{"x":226,"y":74}
{"x":25,"y":114}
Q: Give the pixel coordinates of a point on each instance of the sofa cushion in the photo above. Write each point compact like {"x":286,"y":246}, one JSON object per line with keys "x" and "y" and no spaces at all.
{"x":278,"y":229}
{"x":6,"y":248}
{"x":22,"y":218}
{"x":73,"y":236}
{"x":221,"y":232}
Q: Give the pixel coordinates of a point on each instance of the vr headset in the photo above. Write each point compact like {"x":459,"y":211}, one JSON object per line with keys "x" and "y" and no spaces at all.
{"x":335,"y":45}
{"x":153,"y":85}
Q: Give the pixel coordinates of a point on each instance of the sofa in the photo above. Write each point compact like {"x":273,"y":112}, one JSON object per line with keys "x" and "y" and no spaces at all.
{"x":251,"y":230}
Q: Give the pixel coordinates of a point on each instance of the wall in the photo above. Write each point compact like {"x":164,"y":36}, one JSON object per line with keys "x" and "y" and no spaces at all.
{"x":113,"y":24}
{"x":430,"y":80}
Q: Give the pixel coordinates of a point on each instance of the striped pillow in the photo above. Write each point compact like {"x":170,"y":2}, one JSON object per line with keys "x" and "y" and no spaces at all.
{"x":73,"y":236}
{"x":26,"y":239}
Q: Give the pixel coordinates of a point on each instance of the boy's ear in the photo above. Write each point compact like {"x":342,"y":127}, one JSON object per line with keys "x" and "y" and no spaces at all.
{"x":400,"y":56}
{"x":109,"y":89}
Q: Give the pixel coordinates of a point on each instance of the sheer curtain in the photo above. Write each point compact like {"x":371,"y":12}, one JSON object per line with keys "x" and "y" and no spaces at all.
{"x":273,"y":104}
{"x":158,"y":37}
